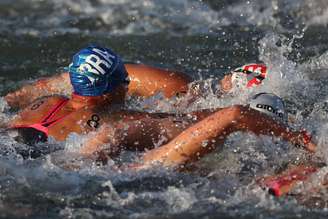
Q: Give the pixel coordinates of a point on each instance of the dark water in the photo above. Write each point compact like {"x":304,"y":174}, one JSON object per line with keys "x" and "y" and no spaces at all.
{"x":204,"y":39}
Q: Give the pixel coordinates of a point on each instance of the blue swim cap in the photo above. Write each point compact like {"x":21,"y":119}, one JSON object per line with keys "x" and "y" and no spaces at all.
{"x":96,"y":71}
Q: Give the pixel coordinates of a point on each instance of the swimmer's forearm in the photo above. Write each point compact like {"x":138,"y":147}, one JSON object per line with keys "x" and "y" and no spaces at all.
{"x":146,"y":81}
{"x":195,"y":141}
{"x":260,"y":124}
{"x":201,"y":137}
{"x":58,"y":84}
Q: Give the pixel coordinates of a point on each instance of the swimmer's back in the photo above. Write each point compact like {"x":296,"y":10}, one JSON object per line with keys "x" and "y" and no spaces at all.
{"x":55,"y":117}
{"x":36,"y":110}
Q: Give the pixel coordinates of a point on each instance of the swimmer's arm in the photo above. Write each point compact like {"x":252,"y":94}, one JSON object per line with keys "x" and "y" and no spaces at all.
{"x":282,"y":183}
{"x":202,"y":88}
{"x":146,"y":81}
{"x":200,"y":138}
{"x":58,"y":84}
{"x":261,"y":124}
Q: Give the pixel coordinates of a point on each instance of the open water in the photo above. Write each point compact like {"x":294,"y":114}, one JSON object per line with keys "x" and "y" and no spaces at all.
{"x":202,"y":38}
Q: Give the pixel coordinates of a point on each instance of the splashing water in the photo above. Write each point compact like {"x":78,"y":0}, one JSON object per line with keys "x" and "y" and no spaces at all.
{"x":203,"y":38}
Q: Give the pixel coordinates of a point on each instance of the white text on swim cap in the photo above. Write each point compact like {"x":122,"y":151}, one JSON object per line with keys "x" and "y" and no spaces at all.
{"x":93,"y":63}
{"x":270,"y":109}
{"x":106,"y":55}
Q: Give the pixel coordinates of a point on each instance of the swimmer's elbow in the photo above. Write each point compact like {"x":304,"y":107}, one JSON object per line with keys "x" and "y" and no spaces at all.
{"x":239,"y":117}
{"x":235,"y":112}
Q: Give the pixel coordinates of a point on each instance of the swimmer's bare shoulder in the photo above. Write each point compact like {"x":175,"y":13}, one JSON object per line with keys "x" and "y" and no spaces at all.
{"x":80,"y":121}
{"x":61,"y":117}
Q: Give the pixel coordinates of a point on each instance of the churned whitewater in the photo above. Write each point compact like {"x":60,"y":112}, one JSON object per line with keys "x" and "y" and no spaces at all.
{"x":205,"y":39}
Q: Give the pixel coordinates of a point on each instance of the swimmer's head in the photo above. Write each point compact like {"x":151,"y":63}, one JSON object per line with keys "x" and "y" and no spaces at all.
{"x":271,"y":105}
{"x":95,"y":71}
{"x":248,"y":76}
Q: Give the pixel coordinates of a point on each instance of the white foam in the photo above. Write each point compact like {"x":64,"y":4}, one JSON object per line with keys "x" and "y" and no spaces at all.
{"x":113,"y":16}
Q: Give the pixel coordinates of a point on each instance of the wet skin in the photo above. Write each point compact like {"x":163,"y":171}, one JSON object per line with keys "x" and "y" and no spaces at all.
{"x":133,"y":130}
{"x":145,"y":81}
{"x":181,"y":137}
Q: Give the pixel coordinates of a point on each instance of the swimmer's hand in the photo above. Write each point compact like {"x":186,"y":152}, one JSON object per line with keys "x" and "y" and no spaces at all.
{"x":304,"y":139}
{"x":307,"y":141}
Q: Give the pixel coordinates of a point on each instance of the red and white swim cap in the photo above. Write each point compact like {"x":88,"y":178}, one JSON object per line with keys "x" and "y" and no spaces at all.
{"x":249,"y":75}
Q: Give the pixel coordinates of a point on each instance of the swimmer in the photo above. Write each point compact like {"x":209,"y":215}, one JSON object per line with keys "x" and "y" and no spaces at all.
{"x":189,"y":137}
{"x":98,"y":76}
{"x":99,"y":81}
{"x":95,"y":108}
{"x":145,"y":81}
